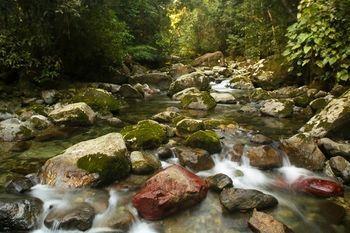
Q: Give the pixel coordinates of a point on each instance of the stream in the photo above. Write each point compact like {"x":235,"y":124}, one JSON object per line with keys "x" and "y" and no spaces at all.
{"x":302,"y":213}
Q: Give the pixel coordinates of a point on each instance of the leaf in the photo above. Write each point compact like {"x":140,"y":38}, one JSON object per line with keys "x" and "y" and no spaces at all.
{"x":307,"y":49}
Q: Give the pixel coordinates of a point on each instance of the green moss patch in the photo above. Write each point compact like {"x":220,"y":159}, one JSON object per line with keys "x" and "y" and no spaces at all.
{"x":207,"y":140}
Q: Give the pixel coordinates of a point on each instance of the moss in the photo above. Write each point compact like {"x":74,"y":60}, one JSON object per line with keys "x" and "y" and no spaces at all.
{"x":213,"y":123}
{"x":302,"y":100}
{"x":145,"y":135}
{"x":99,"y":100}
{"x":203,"y":97}
{"x":260,"y":94}
{"x":207,"y":140}
{"x":178,"y":119}
{"x":110,"y":168}
{"x":189,"y":126}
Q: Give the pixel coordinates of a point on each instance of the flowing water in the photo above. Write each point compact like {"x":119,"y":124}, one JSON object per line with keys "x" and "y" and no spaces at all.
{"x":300,"y":212}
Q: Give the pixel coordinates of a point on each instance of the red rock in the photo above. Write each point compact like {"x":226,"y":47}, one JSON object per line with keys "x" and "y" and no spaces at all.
{"x":169,"y":191}
{"x":318,"y":187}
{"x":312,"y":185}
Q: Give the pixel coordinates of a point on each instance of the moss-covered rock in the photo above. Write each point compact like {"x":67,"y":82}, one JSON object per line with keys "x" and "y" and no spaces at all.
{"x":188,"y":125}
{"x":302,"y":100}
{"x":241,"y":82}
{"x":143,"y":163}
{"x":179,"y":95}
{"x":73,"y":114}
{"x":165,"y":117}
{"x":277,"y":108}
{"x":207,"y":140}
{"x":98,"y":99}
{"x":214,"y":123}
{"x":146,"y":134}
{"x":319,"y":103}
{"x":89,"y":163}
{"x":198,"y":101}
{"x":14,"y":130}
{"x":39,"y":122}
{"x":260,"y":94}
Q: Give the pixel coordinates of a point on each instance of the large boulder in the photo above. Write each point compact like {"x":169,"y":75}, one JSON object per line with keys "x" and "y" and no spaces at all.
{"x":333,"y":118}
{"x":73,"y":114}
{"x":205,"y":139}
{"x":210,"y":59}
{"x":246,"y":199}
{"x":89,"y":163}
{"x":169,"y":191}
{"x":194,"y":158}
{"x":15,"y":130}
{"x":145,"y":134}
{"x":195,"y":79}
{"x":77,"y":217}
{"x":19,"y":213}
{"x":158,"y":79}
{"x":277,"y":108}
{"x":303,"y":151}
{"x":98,"y":99}
{"x":198,"y":101}
{"x":265,"y":223}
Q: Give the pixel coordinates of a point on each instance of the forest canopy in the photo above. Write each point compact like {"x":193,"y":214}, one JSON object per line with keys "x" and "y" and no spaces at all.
{"x":86,"y":40}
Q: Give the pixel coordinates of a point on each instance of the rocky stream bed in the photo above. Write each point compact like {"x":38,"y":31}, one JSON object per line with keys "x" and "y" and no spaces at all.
{"x":217,"y":149}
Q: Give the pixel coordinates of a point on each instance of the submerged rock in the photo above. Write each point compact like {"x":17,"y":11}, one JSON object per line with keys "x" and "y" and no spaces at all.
{"x":277,"y":108}
{"x":143,"y":163}
{"x":77,"y":217}
{"x":99,"y":99}
{"x":195,"y":79}
{"x":15,"y":130}
{"x":194,"y":158}
{"x":73,"y":114}
{"x":198,"y":101}
{"x":246,"y":199}
{"x":334,"y":117}
{"x":146,"y":134}
{"x":169,"y":191}
{"x":219,"y":182}
{"x":304,"y":152}
{"x":341,"y":168}
{"x":207,"y":140}
{"x":19,"y":213}
{"x":265,"y":223}
{"x":89,"y":163}
{"x":119,"y":219}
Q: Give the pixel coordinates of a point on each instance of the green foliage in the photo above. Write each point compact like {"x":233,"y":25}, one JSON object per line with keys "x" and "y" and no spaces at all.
{"x":319,"y":42}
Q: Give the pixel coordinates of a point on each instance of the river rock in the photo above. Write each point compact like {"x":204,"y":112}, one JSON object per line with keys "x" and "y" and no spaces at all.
{"x":166,"y":116}
{"x":98,"y":99}
{"x":89,"y":163}
{"x":223,"y":98}
{"x":334,"y":117}
{"x":277,"y":108}
{"x":210,"y":59}
{"x":15,"y":130}
{"x":145,"y":134}
{"x":260,"y":94}
{"x":205,"y":139}
{"x":189,"y":125}
{"x":164,"y":152}
{"x":318,"y":187}
{"x":241,"y":82}
{"x":303,"y":151}
{"x":119,"y":219}
{"x":179,"y":95}
{"x":261,"y":139}
{"x":19,"y":213}
{"x":194,"y":158}
{"x":319,"y":103}
{"x":143,"y":163}
{"x":73,"y":114}
{"x":341,"y":168}
{"x":262,"y":157}
{"x":265,"y":223}
{"x":128,"y":91}
{"x":332,"y":148}
{"x":49,"y":96}
{"x":18,"y":185}
{"x":179,"y":69}
{"x":159,"y":80}
{"x":169,"y":191}
{"x":219,"y":182}
{"x":39,"y":122}
{"x":198,"y":101}
{"x":267,"y":80}
{"x":76,"y":217}
{"x":195,"y":79}
{"x":246,"y":199}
